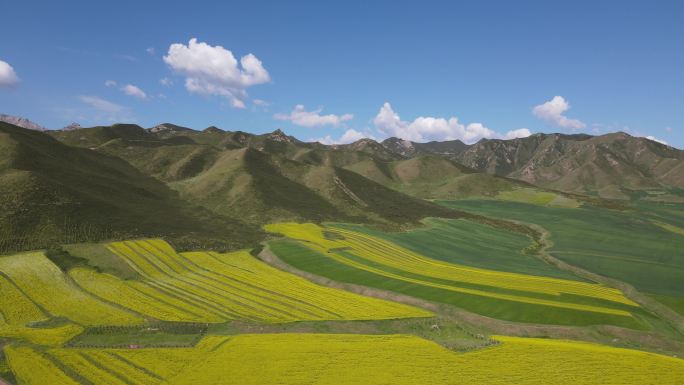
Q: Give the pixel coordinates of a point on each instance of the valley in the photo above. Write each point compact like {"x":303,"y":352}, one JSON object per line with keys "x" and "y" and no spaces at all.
{"x":328,"y":262}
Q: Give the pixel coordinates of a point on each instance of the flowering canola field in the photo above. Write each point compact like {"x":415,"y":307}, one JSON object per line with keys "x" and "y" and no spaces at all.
{"x":386,"y":259}
{"x":214,"y":287}
{"x":345,"y":359}
{"x":186,"y":287}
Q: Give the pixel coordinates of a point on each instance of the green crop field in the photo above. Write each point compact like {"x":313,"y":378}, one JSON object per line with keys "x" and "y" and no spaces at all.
{"x":625,"y":245}
{"x":469,"y":243}
{"x":342,"y":359}
{"x":355,"y":257}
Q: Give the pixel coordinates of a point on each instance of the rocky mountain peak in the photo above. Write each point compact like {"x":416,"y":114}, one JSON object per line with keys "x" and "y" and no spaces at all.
{"x":21,"y":122}
{"x":279,"y":136}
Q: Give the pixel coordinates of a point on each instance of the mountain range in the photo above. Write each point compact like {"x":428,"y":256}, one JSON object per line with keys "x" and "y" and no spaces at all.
{"x":218,"y":187}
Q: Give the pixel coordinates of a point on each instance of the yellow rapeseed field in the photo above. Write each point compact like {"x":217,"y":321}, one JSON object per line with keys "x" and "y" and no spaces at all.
{"x":53,"y":336}
{"x":387,"y":259}
{"x":214,"y":287}
{"x":322,"y":359}
{"x":45,"y":284}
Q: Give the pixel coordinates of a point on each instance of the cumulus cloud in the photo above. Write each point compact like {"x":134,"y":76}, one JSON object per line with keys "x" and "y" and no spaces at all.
{"x":653,"y":138}
{"x":301,"y":117}
{"x":348,"y":136}
{"x":552,"y":111}
{"x":213,"y":70}
{"x":424,"y":129}
{"x":131,"y":90}
{"x":166,"y":82}
{"x":8,"y":78}
{"x":519,"y":133}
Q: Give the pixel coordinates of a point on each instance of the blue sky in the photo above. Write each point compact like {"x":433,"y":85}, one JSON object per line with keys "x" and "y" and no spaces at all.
{"x":342,"y":70}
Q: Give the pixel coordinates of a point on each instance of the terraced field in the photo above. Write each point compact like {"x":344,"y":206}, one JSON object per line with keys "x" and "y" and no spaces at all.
{"x":344,"y":359}
{"x":43,"y":305}
{"x":468,"y":243}
{"x":349,"y":256}
{"x":43,"y":283}
{"x":640,"y":245}
{"x":214,"y":287}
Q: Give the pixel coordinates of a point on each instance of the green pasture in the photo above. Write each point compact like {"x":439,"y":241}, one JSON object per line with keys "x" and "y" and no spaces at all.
{"x":625,"y":245}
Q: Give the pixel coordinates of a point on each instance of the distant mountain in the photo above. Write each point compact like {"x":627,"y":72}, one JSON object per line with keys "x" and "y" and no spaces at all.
{"x":408,"y":149}
{"x":258,"y":178}
{"x":609,"y":165}
{"x":612,"y":166}
{"x":72,"y":126}
{"x":54,"y":193}
{"x":21,"y":122}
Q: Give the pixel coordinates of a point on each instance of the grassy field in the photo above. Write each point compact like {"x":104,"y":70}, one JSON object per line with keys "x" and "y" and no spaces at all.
{"x":344,"y":359}
{"x":469,"y":243}
{"x":625,"y":245}
{"x":353,"y":257}
{"x":537,"y":197}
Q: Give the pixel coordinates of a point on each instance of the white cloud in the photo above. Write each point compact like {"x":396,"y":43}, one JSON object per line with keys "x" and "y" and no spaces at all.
{"x":424,"y":129}
{"x":213,"y":70}
{"x":349,"y":136}
{"x":101,"y":104}
{"x":8,"y":78}
{"x":301,"y":117}
{"x":166,"y":82}
{"x":552,"y":111}
{"x":99,"y":111}
{"x":131,"y":90}
{"x":110,"y":83}
{"x":519,"y":133}
{"x":653,"y":138}
{"x":261,"y":102}
{"x":150,"y":50}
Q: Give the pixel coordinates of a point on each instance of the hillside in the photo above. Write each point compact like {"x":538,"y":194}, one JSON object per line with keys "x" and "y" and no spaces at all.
{"x":53,"y":193}
{"x":608,"y":165}
{"x":260,"y":178}
{"x":173,"y":154}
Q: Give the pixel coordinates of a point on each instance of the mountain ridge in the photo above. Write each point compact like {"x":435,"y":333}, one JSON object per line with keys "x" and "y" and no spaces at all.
{"x":614,"y":165}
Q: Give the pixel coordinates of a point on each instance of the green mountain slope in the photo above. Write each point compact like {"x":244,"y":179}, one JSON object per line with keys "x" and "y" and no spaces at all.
{"x":53,"y":193}
{"x":261,"y":178}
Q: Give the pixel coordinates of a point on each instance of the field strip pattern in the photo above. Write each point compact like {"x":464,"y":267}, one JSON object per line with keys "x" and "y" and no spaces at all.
{"x":214,"y":287}
{"x":344,"y":359}
{"x":43,"y":283}
{"x":385,"y":258}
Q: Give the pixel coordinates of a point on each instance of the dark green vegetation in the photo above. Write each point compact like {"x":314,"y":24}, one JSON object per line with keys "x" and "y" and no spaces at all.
{"x":157,"y":335}
{"x":311,"y":261}
{"x":445,"y":330}
{"x":470,"y":243}
{"x":5,"y":371}
{"x":98,"y":256}
{"x":51,"y":193}
{"x":624,"y":245}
